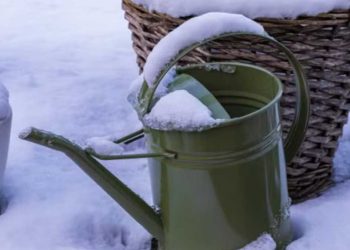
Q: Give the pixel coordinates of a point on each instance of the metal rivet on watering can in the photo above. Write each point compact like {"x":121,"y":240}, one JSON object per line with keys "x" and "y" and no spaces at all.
{"x":219,"y":188}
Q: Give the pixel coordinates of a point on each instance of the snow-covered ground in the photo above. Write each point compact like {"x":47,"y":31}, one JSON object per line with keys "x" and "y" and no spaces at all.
{"x":68,"y":66}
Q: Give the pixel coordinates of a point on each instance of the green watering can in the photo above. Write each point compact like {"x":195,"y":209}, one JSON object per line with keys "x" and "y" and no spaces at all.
{"x":219,"y":188}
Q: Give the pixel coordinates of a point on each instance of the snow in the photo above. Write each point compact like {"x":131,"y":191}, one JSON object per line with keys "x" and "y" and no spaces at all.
{"x":323,"y":223}
{"x":25,"y":132}
{"x":4,"y":103}
{"x":193,"y":31}
{"x":341,"y":171}
{"x":251,"y":8}
{"x":4,"y":94}
{"x":264,"y":242}
{"x":68,"y":66}
{"x":103,"y":145}
{"x":179,"y":110}
{"x":161,"y":90}
{"x":134,"y":90}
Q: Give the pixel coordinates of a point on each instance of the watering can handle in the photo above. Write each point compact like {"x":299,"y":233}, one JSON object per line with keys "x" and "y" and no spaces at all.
{"x":299,"y":126}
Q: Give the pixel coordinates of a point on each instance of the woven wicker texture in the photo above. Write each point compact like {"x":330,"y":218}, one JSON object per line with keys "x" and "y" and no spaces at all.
{"x":321,"y":43}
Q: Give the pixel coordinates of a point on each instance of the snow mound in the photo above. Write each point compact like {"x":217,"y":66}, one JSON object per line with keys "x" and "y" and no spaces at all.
{"x":264,"y":242}
{"x":162,"y":89}
{"x":134,"y":90}
{"x":181,"y":111}
{"x":103,"y":145}
{"x":193,"y":31}
{"x":4,"y":103}
{"x":251,"y":8}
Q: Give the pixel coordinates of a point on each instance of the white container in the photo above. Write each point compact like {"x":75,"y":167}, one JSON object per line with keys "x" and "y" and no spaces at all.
{"x":5,"y":128}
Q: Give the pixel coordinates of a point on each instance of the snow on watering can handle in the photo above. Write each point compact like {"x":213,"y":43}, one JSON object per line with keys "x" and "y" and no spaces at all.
{"x":299,"y":126}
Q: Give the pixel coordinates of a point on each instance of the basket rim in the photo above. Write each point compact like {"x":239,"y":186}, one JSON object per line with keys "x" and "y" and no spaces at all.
{"x":342,"y":15}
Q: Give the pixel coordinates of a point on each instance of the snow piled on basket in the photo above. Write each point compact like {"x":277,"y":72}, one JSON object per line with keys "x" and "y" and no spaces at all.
{"x":193,"y":31}
{"x":4,"y":104}
{"x":264,"y":242}
{"x":180,"y":111}
{"x":250,"y":8}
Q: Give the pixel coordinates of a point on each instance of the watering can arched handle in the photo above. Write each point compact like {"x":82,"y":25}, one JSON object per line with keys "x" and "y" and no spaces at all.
{"x":299,"y":126}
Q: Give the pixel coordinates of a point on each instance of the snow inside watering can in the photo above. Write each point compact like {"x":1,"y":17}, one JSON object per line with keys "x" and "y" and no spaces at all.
{"x":219,"y":183}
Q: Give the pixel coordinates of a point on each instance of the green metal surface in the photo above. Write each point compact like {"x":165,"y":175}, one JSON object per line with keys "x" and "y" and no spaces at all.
{"x":128,"y":156}
{"x":222,"y":187}
{"x":127,"y":199}
{"x":130,"y":137}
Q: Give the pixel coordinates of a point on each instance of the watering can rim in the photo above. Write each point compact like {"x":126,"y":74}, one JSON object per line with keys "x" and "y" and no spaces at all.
{"x":234,"y":120}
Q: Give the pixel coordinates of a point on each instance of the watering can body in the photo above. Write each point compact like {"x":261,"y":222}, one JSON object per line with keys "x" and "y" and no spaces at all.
{"x":222,"y":205}
{"x":227,"y":185}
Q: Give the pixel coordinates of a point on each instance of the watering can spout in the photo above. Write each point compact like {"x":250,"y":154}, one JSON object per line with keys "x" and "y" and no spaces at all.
{"x":126,"y":198}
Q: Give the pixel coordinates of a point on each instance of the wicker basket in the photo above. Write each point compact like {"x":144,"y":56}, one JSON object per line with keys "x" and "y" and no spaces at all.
{"x":321,"y":43}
